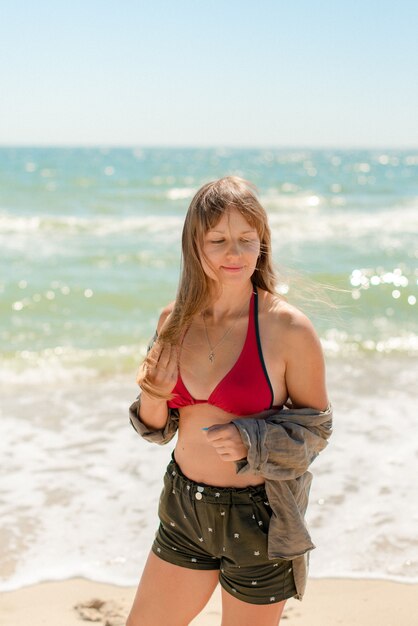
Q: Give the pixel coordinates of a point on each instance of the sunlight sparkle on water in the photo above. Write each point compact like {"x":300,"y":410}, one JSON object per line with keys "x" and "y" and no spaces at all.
{"x":411,"y":160}
{"x":283,"y":288}
{"x":313,"y":201}
{"x":364,"y":278}
{"x":362,"y":167}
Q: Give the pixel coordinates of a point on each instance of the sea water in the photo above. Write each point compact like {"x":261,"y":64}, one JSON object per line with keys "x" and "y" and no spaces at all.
{"x":90,"y":252}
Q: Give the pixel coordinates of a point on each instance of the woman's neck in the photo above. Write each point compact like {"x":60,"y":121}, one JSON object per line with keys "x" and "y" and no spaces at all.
{"x":230,"y":303}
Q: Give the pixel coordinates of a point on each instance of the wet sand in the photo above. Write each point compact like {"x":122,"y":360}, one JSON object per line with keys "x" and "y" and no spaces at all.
{"x":327,"y":602}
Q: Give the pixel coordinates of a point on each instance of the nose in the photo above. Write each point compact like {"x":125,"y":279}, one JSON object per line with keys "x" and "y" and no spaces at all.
{"x":234,"y":249}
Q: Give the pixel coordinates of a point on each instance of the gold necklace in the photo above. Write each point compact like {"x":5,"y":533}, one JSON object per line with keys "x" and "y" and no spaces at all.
{"x":211,"y":355}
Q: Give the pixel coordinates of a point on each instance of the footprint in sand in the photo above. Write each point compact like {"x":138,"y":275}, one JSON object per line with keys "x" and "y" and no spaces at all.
{"x":107,"y":613}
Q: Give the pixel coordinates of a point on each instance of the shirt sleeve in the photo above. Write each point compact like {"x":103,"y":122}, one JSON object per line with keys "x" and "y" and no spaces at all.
{"x":281,"y":448}
{"x":160,"y":435}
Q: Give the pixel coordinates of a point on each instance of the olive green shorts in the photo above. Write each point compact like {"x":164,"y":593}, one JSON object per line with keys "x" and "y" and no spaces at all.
{"x":209,"y":528}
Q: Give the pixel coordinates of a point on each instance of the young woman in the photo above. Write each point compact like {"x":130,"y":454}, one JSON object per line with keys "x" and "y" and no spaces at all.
{"x":229,"y":349}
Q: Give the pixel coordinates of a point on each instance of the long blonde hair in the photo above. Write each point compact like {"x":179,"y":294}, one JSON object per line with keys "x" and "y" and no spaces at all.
{"x":196,"y":289}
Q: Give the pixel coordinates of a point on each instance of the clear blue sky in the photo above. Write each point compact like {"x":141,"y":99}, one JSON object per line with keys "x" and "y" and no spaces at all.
{"x":209,"y":72}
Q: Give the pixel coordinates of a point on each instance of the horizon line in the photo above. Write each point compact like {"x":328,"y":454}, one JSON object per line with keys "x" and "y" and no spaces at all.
{"x":209,"y":146}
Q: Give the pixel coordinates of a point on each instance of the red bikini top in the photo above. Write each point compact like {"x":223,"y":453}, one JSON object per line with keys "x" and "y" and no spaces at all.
{"x":246,"y":388}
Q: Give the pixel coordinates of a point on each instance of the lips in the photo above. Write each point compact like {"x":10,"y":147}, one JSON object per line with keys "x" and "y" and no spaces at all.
{"x":231,"y":268}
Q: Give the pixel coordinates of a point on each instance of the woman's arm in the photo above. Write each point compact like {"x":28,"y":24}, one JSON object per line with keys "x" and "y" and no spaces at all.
{"x":161,"y":435}
{"x":305,"y":367}
{"x":161,"y":367}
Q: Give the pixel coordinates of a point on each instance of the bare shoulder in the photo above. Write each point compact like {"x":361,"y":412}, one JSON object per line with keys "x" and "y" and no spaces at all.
{"x":295,"y":338}
{"x":290,"y":325}
{"x":164,"y":315}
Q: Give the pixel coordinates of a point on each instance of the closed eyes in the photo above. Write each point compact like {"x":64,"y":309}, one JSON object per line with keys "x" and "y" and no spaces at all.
{"x":242,"y":240}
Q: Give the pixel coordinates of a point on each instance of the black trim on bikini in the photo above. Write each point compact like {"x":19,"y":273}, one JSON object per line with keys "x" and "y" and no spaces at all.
{"x":260,"y":352}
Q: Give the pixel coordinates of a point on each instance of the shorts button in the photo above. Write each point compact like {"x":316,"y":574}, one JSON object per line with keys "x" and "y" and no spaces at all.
{"x":198,"y":495}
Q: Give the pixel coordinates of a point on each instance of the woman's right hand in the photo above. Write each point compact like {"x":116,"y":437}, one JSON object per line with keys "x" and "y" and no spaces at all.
{"x":161,"y":367}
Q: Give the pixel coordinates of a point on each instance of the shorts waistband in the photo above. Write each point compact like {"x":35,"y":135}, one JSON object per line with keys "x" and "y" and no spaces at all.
{"x":212,"y":494}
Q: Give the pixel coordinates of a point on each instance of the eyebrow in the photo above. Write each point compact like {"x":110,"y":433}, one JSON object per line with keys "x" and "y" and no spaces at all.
{"x":243,"y":232}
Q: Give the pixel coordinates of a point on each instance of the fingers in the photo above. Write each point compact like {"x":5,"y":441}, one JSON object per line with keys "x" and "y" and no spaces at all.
{"x":222,"y":432}
{"x":164,"y":356}
{"x":162,"y":366}
{"x":169,"y":362}
{"x":154,"y":354}
{"x":226,"y":456}
{"x":226,"y":441}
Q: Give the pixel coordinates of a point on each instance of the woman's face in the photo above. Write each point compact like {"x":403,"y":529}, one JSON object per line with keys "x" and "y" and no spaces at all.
{"x":231,"y":249}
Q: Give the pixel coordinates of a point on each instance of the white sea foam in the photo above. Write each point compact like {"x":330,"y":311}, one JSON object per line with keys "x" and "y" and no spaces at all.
{"x":80,"y":489}
{"x":68,"y":363}
{"x":180,"y":193}
{"x":52,"y":236}
{"x":362,"y":510}
{"x":298,"y":219}
{"x":386,"y":225}
{"x":99,"y":226}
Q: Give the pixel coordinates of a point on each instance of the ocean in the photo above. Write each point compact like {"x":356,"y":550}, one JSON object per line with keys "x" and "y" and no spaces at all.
{"x":89,"y":254}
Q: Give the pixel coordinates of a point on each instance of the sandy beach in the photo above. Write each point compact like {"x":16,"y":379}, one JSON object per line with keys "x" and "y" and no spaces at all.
{"x":328,"y":602}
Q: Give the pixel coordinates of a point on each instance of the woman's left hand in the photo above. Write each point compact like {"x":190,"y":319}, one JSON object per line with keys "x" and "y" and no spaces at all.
{"x":226,"y":440}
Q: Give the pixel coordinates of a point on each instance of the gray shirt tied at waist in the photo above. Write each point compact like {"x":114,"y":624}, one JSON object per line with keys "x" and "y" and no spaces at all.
{"x":281,"y":447}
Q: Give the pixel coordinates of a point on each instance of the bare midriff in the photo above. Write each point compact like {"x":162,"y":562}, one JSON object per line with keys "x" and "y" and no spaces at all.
{"x":197,"y":458}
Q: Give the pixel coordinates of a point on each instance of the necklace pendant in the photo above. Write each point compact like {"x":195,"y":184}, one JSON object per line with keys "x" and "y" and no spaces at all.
{"x":211,"y":357}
